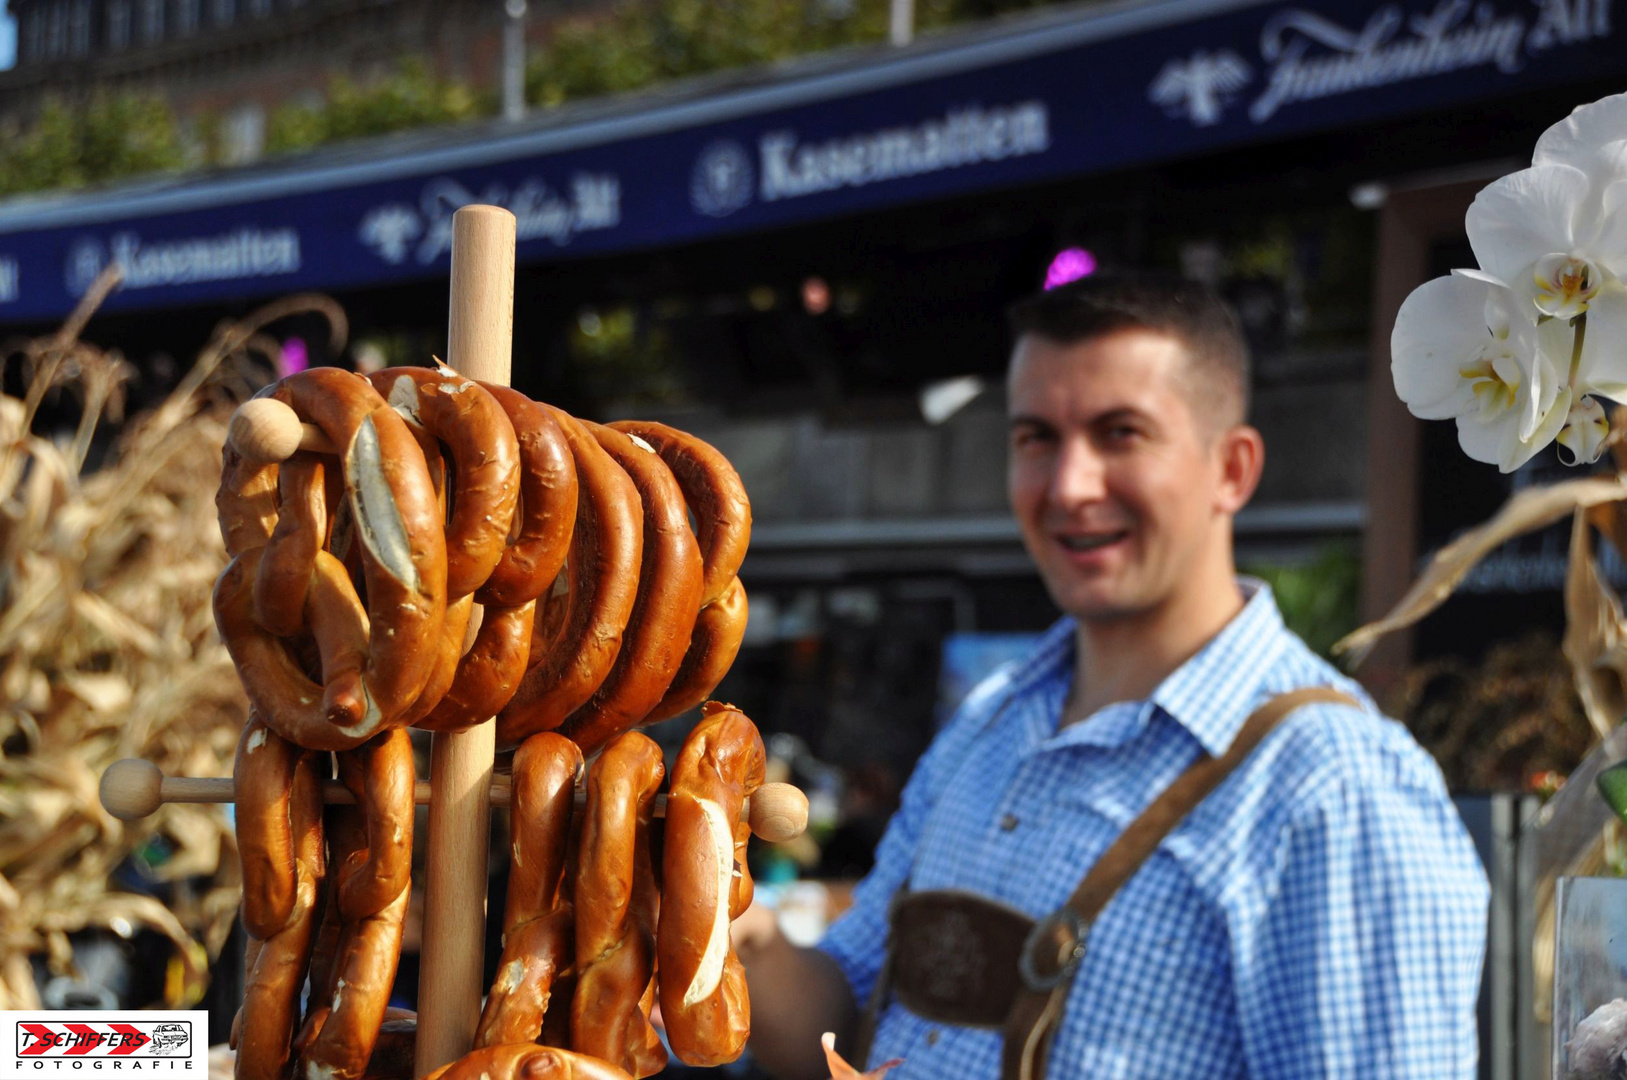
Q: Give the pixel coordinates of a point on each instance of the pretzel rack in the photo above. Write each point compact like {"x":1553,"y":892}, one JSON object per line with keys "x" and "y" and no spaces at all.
{"x":462,"y":787}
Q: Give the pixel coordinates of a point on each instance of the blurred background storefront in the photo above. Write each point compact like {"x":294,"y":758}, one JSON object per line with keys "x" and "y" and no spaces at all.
{"x":807,"y":264}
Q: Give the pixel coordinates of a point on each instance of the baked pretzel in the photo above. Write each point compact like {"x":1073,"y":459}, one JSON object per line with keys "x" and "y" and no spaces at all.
{"x":715,"y":642}
{"x":381,"y":776}
{"x":664,"y":610}
{"x":715,"y":495}
{"x":616,"y":909}
{"x":526,"y":1061}
{"x":364,"y":967}
{"x":264,"y":783}
{"x":290,"y":555}
{"x":547,"y":513}
{"x":601,"y":577}
{"x":402,"y":556}
{"x":489,"y":673}
{"x":276,"y":965}
{"x":445,"y":658}
{"x":337,"y":714}
{"x":537,"y":919}
{"x":485,"y":454}
{"x":246,"y":502}
{"x":393,"y":1052}
{"x":705,"y":886}
{"x":722,"y":514}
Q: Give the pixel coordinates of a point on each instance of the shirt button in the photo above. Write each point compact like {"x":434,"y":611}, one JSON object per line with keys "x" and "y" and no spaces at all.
{"x":932,"y":1037}
{"x":1008,"y":822}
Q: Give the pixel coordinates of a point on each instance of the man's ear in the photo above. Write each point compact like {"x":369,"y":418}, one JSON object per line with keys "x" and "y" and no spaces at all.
{"x":1241,"y":457}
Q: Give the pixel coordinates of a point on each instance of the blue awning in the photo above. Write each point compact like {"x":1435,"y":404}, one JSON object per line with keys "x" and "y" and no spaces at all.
{"x":1046,"y":98}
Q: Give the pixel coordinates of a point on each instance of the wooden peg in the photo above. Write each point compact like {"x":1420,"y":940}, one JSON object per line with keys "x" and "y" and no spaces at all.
{"x":135,"y":788}
{"x":266,"y":430}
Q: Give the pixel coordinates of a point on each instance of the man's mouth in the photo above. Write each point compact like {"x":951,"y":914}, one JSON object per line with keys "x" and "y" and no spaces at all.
{"x":1091,"y":541}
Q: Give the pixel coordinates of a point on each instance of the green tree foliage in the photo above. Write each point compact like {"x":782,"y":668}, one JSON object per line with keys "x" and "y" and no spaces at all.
{"x":640,"y":42}
{"x":411,"y":96}
{"x":107,"y":137}
{"x":1319,"y":599}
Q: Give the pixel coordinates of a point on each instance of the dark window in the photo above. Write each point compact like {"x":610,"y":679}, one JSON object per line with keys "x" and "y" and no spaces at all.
{"x":58,"y":41}
{"x":118,"y":24}
{"x":79,"y":28}
{"x":225,"y":11}
{"x":187,"y":15}
{"x":152,"y":20}
{"x":34,"y":35}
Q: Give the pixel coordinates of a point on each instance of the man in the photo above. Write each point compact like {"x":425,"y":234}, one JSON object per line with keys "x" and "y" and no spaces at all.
{"x":1321,"y":914}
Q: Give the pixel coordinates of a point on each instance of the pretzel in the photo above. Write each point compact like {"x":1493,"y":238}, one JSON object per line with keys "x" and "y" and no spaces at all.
{"x":381,"y":776}
{"x":276,"y":969}
{"x":363,"y":971}
{"x":715,"y":642}
{"x":485,"y":454}
{"x":722,"y":514}
{"x":547,"y":513}
{"x":669,"y":592}
{"x":340,"y":713}
{"x":601,"y":584}
{"x":393,"y":1052}
{"x":402,"y":555}
{"x":537,"y":919}
{"x":290,"y":554}
{"x":489,"y":673}
{"x":264,"y":775}
{"x":246,"y":502}
{"x":445,"y":657}
{"x":715,"y":495}
{"x":526,"y":1061}
{"x":616,"y":905}
{"x":705,"y":885}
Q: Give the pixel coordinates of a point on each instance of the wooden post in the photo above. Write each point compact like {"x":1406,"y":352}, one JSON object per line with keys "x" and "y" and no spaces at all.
{"x":480,"y":336}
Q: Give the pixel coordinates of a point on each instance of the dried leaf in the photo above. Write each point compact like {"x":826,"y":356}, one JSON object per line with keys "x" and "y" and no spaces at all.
{"x":1595,"y":637}
{"x":1524,"y":512}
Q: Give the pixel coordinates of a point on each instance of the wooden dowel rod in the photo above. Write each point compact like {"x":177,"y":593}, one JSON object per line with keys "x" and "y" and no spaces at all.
{"x":480,"y":340}
{"x":134,"y":788}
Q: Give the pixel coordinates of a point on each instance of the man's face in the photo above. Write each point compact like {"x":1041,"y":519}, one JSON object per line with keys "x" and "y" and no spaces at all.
{"x":1114,"y":480}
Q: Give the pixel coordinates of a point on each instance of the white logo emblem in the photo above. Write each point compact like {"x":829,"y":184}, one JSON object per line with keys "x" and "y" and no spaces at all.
{"x":86,"y":258}
{"x":722,"y":180}
{"x":1200,"y":88}
{"x":389,"y":229}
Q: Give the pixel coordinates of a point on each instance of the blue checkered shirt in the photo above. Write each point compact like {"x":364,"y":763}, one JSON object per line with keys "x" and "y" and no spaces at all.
{"x":1321,"y":914}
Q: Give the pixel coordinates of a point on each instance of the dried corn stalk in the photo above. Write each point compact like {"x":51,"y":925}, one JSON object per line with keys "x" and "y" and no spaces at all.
{"x":108,"y":650}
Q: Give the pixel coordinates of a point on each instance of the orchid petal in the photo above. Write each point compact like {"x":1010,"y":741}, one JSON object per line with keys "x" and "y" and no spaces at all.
{"x":1609,"y":246}
{"x":1518,"y":219}
{"x":1439,"y":329}
{"x":1580,"y":137}
{"x":1585,"y":432}
{"x":1603,"y":367}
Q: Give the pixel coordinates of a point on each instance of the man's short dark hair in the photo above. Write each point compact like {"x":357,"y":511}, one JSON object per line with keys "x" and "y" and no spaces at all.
{"x":1191,"y":313}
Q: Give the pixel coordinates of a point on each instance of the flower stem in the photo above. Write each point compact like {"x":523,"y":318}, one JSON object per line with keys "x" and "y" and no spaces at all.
{"x":1580,"y":326}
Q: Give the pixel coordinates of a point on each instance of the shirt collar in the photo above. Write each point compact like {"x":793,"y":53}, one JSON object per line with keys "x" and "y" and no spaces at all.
{"x":1212,"y":693}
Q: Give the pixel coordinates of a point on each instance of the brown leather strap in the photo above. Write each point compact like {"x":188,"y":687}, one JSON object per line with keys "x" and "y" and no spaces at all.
{"x":1058,"y":942}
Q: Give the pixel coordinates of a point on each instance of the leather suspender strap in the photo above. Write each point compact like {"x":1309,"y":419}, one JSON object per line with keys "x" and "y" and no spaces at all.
{"x":1057,"y":943}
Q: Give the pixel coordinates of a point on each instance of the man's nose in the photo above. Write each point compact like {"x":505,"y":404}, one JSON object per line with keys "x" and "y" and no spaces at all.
{"x":1079,"y":474}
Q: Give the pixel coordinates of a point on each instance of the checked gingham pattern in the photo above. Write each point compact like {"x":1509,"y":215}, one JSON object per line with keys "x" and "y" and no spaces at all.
{"x":1322,"y":914}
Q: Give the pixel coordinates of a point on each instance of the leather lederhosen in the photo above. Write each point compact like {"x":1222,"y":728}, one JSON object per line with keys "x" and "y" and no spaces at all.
{"x":954,"y":957}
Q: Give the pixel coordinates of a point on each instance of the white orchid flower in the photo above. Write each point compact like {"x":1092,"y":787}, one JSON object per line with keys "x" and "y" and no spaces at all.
{"x":1553,"y":232}
{"x":1557,"y":229}
{"x":1464,"y":348}
{"x":1584,"y":432}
